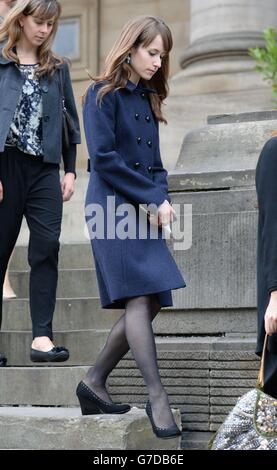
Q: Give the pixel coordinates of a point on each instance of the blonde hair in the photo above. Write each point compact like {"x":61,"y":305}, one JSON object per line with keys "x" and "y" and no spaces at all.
{"x":138,"y":31}
{"x":10,"y":32}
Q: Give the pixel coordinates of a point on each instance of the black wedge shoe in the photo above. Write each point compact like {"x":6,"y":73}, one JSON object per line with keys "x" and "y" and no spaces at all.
{"x":91,"y":404}
{"x":164,"y":433}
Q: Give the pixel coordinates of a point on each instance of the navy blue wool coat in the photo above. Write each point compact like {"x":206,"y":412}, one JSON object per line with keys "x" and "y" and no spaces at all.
{"x":123,"y":144}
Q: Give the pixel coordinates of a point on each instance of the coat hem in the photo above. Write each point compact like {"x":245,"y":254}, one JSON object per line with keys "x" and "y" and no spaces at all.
{"x":119,"y":302}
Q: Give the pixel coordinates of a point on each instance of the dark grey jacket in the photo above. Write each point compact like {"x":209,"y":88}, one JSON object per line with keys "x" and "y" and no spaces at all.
{"x":11,"y":82}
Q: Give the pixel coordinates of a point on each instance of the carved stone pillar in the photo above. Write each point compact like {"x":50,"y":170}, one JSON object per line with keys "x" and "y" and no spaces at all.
{"x":218,"y":75}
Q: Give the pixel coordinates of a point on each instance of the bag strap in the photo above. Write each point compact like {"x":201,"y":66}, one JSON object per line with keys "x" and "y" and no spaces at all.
{"x":61,"y":75}
{"x":260,"y":380}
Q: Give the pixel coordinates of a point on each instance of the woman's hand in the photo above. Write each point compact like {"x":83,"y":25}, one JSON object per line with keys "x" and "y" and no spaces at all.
{"x":270,"y":319}
{"x":1,"y":192}
{"x":67,"y":185}
{"x":166,"y":214}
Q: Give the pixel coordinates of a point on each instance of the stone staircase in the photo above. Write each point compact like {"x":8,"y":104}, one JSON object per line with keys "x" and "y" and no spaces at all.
{"x":38,"y":406}
{"x":203,"y":374}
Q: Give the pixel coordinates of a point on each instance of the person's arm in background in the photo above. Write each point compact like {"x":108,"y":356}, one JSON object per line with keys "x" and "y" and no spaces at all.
{"x":266,"y":185}
{"x":69,"y":153}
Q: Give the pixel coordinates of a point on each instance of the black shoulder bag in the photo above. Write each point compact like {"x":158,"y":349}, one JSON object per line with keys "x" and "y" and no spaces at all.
{"x":67,"y":123}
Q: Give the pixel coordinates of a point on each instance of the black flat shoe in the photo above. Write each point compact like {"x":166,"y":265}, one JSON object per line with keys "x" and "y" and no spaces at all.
{"x":56,"y":354}
{"x":3,"y":361}
{"x":164,"y":433}
{"x":91,"y":404}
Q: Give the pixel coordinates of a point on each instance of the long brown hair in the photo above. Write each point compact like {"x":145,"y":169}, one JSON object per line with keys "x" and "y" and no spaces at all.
{"x":138,"y":31}
{"x":10,"y":32}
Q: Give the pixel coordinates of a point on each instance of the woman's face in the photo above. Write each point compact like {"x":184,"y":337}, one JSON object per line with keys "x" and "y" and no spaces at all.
{"x":36,"y":30}
{"x":145,"y":61}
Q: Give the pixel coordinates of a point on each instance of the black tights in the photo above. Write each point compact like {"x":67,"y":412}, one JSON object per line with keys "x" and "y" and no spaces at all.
{"x":134,"y":331}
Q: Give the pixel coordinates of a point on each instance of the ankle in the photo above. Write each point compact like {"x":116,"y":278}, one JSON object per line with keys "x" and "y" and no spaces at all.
{"x":157,"y":395}
{"x":42,"y":343}
{"x":95,"y":382}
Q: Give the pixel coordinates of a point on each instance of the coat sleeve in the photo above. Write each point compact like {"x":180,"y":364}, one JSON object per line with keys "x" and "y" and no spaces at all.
{"x":266,"y":185}
{"x":69,"y":153}
{"x":159,"y":172}
{"x":99,"y":123}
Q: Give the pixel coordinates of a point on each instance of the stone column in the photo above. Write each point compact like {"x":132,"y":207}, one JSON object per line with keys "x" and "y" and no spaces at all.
{"x":217,"y":73}
{"x":221,"y":32}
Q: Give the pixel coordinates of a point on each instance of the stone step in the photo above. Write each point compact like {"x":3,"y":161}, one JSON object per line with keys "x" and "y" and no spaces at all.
{"x":175,"y":352}
{"x":55,"y":386}
{"x":70,"y":314}
{"x":72,"y":283}
{"x":184,"y":321}
{"x":84,"y":346}
{"x":196,"y":440}
{"x":186,"y":374}
{"x":86,"y":313}
{"x":36,"y":428}
{"x":71,"y":256}
{"x":188,"y":367}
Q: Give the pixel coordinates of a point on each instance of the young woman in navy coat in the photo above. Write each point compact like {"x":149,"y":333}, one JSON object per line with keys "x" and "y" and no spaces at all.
{"x":122,"y":111}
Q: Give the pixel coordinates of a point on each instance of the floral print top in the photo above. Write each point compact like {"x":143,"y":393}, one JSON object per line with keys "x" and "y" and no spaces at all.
{"x":26,"y":129}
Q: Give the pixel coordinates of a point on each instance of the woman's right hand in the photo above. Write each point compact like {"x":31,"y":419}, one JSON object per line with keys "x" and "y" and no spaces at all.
{"x":270,"y":319}
{"x":1,"y":192}
{"x":166,"y":213}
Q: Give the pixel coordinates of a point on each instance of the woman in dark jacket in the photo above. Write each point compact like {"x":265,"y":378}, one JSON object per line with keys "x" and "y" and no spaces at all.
{"x":266,"y":184}
{"x":33,"y":84}
{"x":8,"y":292}
{"x":121,"y":115}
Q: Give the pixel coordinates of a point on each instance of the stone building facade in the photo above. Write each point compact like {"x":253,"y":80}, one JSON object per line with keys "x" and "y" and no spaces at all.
{"x":89,"y":28}
{"x":211,"y":72}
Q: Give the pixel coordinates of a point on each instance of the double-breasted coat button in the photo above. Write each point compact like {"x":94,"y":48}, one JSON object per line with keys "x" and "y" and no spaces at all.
{"x":138,"y":140}
{"x":142,"y":95}
{"x":46,"y":118}
{"x":136,"y":165}
{"x":44,"y":88}
{"x":147,"y":118}
{"x":149,"y":143}
{"x":149,"y":169}
{"x":137,"y":116}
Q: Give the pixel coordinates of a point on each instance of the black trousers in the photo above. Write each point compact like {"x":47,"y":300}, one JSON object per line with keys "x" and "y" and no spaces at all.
{"x":270,"y":374}
{"x":32,"y":188}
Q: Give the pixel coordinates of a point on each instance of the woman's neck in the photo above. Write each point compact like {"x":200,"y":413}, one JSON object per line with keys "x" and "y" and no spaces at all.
{"x":134,"y":77}
{"x":26,"y":53}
